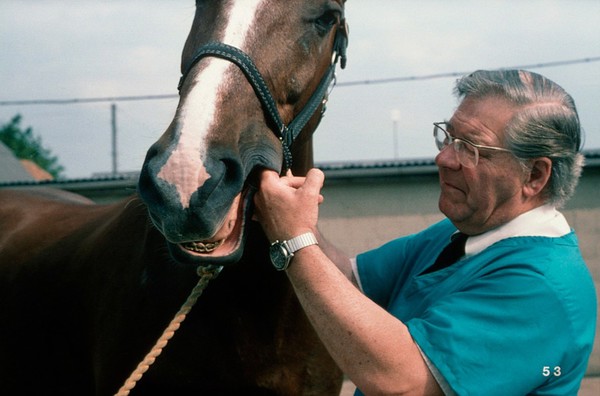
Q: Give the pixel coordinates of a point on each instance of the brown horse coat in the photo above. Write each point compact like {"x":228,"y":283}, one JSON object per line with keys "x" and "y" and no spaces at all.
{"x":85,"y":291}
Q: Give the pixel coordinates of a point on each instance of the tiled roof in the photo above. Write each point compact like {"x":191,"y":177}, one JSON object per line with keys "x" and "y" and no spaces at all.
{"x":341,"y":170}
{"x":11,"y":169}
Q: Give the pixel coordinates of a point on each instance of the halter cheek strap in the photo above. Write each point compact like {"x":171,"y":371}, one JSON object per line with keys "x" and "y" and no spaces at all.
{"x":286,"y":133}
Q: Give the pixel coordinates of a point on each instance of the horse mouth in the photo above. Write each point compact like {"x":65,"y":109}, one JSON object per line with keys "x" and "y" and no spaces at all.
{"x":202,"y":247}
{"x":228,"y":240}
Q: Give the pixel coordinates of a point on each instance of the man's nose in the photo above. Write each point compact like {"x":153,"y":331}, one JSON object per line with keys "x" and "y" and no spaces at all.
{"x":447,"y":158}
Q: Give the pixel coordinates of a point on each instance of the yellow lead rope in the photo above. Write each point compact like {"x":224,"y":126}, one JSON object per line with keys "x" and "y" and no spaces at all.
{"x":206,"y":275}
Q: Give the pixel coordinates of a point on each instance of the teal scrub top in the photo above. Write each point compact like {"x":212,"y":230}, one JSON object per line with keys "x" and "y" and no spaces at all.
{"x":518,"y":318}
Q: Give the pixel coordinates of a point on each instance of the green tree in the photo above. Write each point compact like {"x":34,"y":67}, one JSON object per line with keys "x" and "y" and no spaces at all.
{"x":25,"y":145}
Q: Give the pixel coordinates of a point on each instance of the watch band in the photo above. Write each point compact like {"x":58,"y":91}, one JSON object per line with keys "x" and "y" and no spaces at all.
{"x":301,"y":241}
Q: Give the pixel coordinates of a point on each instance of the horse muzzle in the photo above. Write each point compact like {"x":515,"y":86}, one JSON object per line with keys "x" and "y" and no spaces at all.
{"x":209,"y":226}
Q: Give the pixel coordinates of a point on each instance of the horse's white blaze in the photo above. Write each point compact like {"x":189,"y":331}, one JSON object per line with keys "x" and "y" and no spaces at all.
{"x":185,"y":168}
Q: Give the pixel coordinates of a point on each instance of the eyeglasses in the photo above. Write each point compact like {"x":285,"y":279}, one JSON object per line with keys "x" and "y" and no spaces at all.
{"x":467,"y":152}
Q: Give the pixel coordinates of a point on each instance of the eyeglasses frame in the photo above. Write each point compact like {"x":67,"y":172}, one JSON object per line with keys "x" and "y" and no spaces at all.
{"x":452,"y":139}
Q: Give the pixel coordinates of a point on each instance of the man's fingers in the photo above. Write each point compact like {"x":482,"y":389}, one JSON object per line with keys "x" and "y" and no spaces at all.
{"x":268,"y":176}
{"x":292,"y":181}
{"x":314,"y":180}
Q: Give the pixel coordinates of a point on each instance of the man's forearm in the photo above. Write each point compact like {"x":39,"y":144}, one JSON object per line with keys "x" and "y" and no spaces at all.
{"x":372,"y":347}
{"x":338,"y":257}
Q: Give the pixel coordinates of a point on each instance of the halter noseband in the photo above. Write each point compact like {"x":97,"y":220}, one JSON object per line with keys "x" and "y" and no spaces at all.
{"x":286,"y":133}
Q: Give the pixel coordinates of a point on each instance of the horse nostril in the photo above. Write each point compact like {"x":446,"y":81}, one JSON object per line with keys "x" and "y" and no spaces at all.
{"x":226,"y":180}
{"x":233,"y":171}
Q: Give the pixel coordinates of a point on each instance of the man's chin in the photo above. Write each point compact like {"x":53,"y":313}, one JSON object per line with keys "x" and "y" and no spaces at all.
{"x":453,"y":210}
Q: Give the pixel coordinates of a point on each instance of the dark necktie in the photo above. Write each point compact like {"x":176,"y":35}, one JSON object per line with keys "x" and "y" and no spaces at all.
{"x":451,"y":253}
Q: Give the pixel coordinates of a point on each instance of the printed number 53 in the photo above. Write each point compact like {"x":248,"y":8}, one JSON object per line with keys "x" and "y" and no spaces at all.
{"x":548,"y":371}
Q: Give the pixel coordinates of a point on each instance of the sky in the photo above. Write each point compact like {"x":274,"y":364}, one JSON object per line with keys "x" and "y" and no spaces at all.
{"x":77,"y":49}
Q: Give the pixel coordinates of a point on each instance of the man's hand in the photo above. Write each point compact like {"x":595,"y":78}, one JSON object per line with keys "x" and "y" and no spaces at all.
{"x":288,"y":206}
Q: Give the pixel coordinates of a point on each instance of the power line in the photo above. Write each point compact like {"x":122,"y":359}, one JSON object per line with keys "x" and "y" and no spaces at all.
{"x":339,"y":84}
{"x":84,"y":100}
{"x":460,"y":74}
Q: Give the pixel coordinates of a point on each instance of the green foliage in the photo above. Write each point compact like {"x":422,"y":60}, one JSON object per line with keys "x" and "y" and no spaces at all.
{"x":25,"y":145}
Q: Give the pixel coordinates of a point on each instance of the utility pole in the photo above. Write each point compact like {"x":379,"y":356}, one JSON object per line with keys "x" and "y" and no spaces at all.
{"x":395,"y":114}
{"x":113,"y":118}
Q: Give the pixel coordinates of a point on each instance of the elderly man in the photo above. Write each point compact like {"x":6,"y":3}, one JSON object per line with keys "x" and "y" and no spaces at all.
{"x":508,"y":307}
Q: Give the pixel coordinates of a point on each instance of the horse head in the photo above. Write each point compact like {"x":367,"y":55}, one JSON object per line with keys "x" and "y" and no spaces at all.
{"x":254,"y":84}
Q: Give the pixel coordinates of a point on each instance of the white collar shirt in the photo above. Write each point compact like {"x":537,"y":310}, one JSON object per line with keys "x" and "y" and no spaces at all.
{"x":543,"y":221}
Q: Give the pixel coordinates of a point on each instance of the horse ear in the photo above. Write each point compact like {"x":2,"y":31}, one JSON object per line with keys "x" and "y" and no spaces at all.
{"x":341,"y":42}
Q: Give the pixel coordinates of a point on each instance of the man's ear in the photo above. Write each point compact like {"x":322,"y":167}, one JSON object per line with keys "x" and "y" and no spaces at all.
{"x":539,"y":175}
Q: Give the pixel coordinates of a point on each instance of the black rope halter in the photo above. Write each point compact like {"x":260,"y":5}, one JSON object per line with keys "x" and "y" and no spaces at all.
{"x":286,"y":133}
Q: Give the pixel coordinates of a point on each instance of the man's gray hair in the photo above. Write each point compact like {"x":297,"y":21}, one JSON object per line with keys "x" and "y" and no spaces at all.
{"x":546,"y":123}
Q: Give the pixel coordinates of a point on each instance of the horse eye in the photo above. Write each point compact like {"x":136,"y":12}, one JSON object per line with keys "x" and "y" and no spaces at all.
{"x":325,"y":22}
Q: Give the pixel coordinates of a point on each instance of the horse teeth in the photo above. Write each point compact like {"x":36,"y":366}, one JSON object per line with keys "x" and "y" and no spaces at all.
{"x":203,"y":247}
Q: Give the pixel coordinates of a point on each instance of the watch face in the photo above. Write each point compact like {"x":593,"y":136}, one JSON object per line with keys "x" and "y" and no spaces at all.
{"x":279,"y":256}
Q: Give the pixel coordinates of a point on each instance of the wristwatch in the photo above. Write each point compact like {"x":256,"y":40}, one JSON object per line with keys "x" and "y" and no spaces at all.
{"x":282,"y":252}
